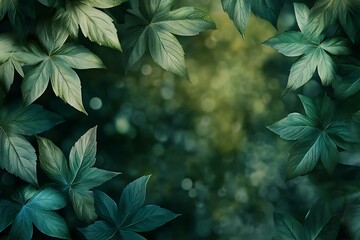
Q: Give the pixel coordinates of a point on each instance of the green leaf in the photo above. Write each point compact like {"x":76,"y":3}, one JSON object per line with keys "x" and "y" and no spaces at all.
{"x":291,"y":44}
{"x":80,"y":176}
{"x":166,"y":51}
{"x":295,"y":126}
{"x":185,"y":21}
{"x":336,"y":46}
{"x":133,"y":197}
{"x":135,"y":45}
{"x":352,"y":219}
{"x":104,"y":3}
{"x":239,"y":11}
{"x":329,"y":153}
{"x":287,"y":228}
{"x":325,"y":67}
{"x":149,"y":218}
{"x":47,"y":199}
{"x":8,"y":212}
{"x":99,"y":230}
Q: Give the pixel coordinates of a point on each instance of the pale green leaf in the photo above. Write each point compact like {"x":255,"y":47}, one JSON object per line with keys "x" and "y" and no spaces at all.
{"x":325,"y":67}
{"x":302,"y":71}
{"x":18,"y":156}
{"x":166,"y":51}
{"x":97,"y":26}
{"x":77,"y":56}
{"x":66,"y":84}
{"x":94,"y":177}
{"x":83,"y":153}
{"x":336,"y":46}
{"x":104,"y":3}
{"x":53,"y":161}
{"x":291,"y":44}
{"x":185,"y":21}
{"x":302,"y":13}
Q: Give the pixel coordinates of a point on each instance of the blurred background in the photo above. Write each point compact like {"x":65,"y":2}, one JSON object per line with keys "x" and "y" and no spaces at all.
{"x":204,"y":141}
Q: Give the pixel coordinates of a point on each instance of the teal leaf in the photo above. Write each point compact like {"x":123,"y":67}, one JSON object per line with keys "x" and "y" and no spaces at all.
{"x":129,"y":217}
{"x":36,"y":208}
{"x":239,"y":11}
{"x":288,"y":228}
{"x":79,"y":177}
{"x":349,"y":84}
{"x":106,"y":208}
{"x":133,"y":197}
{"x":50,"y":223}
{"x":302,"y":71}
{"x":302,"y":13}
{"x":267,"y":9}
{"x":99,"y":230}
{"x":149,"y":218}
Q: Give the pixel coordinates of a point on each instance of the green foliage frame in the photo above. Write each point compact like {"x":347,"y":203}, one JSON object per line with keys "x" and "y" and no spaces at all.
{"x":42,"y":45}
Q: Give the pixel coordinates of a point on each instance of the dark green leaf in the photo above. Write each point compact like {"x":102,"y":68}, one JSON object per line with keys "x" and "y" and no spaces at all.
{"x":106,"y":207}
{"x":50,"y":223}
{"x":267,"y":9}
{"x":22,"y":227}
{"x":287,"y":228}
{"x":8,"y":212}
{"x":127,"y":235}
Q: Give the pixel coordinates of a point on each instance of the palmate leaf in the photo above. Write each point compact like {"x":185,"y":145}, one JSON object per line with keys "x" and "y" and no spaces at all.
{"x":154,"y":27}
{"x":129,"y":217}
{"x":55,"y":65}
{"x":315,"y":52}
{"x":17,"y":155}
{"x":239,"y":11}
{"x":94,"y":23}
{"x":317,"y":136}
{"x":36,"y":207}
{"x":77,"y":177}
{"x":349,"y":82}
